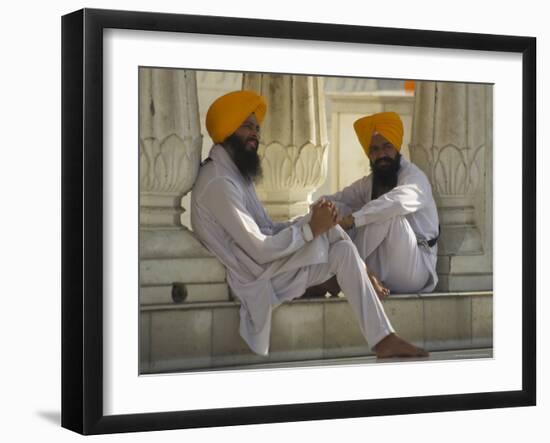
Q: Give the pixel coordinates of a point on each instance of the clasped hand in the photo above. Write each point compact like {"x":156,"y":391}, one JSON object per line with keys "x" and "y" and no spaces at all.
{"x":324,"y":216}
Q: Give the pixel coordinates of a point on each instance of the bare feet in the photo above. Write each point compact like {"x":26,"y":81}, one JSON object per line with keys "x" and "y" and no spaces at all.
{"x":394,"y":346}
{"x":380,"y":289}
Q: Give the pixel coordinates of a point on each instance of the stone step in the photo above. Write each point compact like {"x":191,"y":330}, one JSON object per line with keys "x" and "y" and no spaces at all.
{"x":179,"y":292}
{"x":189,"y":336}
{"x":159,"y":271}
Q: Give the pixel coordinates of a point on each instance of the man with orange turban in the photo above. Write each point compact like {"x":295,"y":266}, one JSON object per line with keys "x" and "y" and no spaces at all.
{"x":391,"y":214}
{"x":269,"y":263}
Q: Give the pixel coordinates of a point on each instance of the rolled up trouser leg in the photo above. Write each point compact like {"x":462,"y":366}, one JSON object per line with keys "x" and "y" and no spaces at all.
{"x":349,"y":269}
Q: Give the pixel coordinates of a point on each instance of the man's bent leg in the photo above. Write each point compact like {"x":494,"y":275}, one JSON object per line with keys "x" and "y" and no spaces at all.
{"x":391,"y":251}
{"x":327,"y":285}
{"x":347,"y":265}
{"x":351,"y":275}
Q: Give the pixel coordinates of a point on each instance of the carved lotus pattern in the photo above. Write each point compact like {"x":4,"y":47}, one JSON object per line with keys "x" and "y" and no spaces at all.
{"x":170,"y":165}
{"x":293,"y":168}
{"x":452,"y":170}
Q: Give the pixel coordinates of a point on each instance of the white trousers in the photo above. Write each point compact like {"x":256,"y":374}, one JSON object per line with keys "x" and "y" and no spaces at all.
{"x":390,"y":250}
{"x":345,"y":262}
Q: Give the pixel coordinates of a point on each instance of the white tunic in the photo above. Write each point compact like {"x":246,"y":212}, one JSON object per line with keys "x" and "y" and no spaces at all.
{"x":410,"y":199}
{"x":228,"y":218}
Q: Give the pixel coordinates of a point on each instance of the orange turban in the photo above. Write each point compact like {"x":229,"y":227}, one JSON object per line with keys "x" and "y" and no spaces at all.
{"x":387,"y":124}
{"x":229,"y":111}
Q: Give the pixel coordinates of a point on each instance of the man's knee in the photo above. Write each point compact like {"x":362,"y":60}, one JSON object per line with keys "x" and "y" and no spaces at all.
{"x":342,"y":250}
{"x":337,"y":234}
{"x":398,"y":222}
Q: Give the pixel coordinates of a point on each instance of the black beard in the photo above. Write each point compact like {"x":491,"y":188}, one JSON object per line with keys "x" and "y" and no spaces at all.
{"x":247,"y":162}
{"x":384,"y":179}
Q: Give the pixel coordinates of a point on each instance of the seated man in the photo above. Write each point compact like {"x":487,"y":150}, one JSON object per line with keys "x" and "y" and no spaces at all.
{"x":268,"y":263}
{"x":390,"y":214}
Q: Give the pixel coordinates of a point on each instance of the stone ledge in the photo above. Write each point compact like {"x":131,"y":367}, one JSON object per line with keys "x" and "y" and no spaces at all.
{"x":190,"y":336}
{"x":159,"y":271}
{"x":235,"y":303}
{"x":159,"y":295}
{"x":458,"y":354}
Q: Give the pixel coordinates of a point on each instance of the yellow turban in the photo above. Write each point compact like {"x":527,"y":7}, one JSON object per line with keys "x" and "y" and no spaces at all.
{"x":387,"y":124}
{"x":229,"y":111}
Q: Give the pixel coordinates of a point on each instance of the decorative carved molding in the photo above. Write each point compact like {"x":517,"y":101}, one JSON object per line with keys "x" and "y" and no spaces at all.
{"x":452,"y":144}
{"x":290,"y":167}
{"x":294,"y":141}
{"x":169,"y":143}
{"x":169,"y":165}
{"x":456,"y":174}
{"x":452,"y":170}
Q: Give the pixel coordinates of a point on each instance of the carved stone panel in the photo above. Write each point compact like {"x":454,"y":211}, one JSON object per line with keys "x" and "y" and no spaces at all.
{"x":169,"y":143}
{"x":294,"y":141}
{"x":452,"y":144}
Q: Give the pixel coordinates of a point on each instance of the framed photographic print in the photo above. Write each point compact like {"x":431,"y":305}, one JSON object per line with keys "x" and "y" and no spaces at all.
{"x":159,"y":330}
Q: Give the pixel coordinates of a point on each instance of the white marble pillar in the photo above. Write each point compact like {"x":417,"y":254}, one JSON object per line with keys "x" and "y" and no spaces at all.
{"x":169,"y":144}
{"x":294,"y":141}
{"x":452,"y":143}
{"x":173,"y":264}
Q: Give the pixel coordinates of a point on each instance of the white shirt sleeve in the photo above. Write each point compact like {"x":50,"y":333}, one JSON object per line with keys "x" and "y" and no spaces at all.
{"x":224,"y":200}
{"x":352,"y":197}
{"x":401,"y":200}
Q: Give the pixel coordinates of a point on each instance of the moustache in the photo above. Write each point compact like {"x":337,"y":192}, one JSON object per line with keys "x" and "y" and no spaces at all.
{"x":383,"y":160}
{"x":253,"y":140}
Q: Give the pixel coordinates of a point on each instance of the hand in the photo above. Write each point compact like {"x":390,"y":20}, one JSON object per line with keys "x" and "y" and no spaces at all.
{"x":323,"y":217}
{"x":347,"y":222}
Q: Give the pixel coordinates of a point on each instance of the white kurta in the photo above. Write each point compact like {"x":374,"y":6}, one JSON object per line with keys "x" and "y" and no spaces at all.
{"x":388,"y":228}
{"x":268,"y":263}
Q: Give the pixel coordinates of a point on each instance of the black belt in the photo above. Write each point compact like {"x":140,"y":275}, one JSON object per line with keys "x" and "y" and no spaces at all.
{"x":432,"y":242}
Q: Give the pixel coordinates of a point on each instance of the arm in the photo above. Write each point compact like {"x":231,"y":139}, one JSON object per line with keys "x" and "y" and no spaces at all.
{"x":401,"y":200}
{"x":298,"y":221}
{"x":275,"y":227}
{"x":352,"y":197}
{"x":225,"y":201}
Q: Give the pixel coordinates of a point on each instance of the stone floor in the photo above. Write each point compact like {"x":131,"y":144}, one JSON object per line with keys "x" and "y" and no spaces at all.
{"x":458,"y":354}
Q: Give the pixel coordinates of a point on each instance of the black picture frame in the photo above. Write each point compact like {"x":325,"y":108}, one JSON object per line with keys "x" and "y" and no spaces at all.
{"x":82,"y":219}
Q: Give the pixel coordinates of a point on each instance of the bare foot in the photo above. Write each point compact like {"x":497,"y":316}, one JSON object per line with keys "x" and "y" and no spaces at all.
{"x":394,"y":346}
{"x":380,"y":289}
